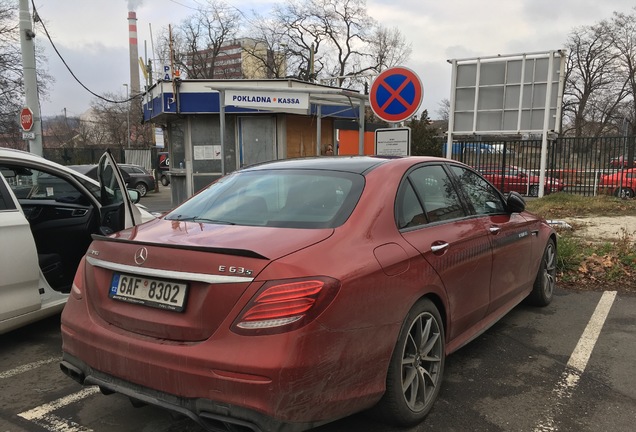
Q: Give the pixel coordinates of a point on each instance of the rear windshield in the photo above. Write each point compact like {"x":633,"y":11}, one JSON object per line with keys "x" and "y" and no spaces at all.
{"x":280,"y":198}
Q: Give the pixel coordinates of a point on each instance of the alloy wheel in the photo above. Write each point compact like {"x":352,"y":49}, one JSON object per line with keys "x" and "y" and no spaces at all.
{"x":421,"y":362}
{"x":549,"y":270}
{"x":143,"y":190}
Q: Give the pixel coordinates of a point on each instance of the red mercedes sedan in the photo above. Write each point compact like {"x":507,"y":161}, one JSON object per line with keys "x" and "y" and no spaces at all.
{"x":293,"y":293}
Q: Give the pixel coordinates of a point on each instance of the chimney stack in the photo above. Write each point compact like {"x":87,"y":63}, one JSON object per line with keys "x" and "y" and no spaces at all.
{"x":134,"y":54}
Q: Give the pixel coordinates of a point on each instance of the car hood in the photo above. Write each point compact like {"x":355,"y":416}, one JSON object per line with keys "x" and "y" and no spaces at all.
{"x":266,"y":242}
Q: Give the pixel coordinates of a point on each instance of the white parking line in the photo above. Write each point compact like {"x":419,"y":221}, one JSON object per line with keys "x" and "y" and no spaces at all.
{"x":42,"y":415}
{"x":27,"y":367}
{"x":578,"y":361}
{"x":54,"y":423}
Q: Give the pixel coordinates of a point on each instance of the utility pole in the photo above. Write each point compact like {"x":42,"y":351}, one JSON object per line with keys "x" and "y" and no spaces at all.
{"x":30,"y":79}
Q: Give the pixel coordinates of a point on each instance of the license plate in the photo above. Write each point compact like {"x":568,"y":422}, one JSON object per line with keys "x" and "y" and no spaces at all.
{"x":157,"y":293}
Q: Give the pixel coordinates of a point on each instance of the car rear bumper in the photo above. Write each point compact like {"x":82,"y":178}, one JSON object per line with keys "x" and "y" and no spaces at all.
{"x":213,"y":416}
{"x":285,"y":383}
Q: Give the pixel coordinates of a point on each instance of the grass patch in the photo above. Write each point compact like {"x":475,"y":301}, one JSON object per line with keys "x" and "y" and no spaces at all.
{"x":584,"y":263}
{"x":563,"y":205}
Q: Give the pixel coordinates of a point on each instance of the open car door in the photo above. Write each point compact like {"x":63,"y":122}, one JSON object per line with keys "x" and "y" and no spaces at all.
{"x":18,"y":259}
{"x":118,"y":211}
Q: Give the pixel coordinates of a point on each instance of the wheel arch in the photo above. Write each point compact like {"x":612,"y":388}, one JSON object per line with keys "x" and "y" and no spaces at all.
{"x":440,"y":305}
{"x":630,"y":190}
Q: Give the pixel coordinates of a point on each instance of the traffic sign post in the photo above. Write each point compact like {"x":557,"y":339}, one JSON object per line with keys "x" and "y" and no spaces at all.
{"x":396,"y":94}
{"x":26,"y":119}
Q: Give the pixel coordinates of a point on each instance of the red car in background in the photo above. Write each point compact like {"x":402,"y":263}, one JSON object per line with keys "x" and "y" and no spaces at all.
{"x":512,"y":178}
{"x":621,"y":184}
{"x":620,"y":162}
{"x":293,"y":293}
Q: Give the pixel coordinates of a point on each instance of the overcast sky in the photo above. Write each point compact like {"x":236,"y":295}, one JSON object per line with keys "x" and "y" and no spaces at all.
{"x":92,"y":36}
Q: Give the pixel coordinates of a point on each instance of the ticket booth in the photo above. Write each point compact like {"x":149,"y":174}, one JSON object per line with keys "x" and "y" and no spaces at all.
{"x":214,"y":127}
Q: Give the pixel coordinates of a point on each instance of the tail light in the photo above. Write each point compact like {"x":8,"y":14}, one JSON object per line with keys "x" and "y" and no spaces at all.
{"x":285,"y":305}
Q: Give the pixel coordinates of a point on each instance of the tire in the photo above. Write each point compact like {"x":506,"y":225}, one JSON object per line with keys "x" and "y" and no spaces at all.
{"x":545,"y":282}
{"x":624,"y":193}
{"x":417,"y":365}
{"x":533,"y":191}
{"x":164,"y":180}
{"x":142,"y":188}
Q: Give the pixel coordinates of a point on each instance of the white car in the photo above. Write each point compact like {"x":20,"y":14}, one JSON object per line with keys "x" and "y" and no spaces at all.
{"x":48,"y":213}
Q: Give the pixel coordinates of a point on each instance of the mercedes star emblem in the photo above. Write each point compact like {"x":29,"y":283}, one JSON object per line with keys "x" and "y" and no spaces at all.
{"x":141,"y":255}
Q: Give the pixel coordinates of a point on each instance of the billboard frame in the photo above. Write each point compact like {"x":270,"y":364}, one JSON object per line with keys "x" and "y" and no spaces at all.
{"x":528,"y":103}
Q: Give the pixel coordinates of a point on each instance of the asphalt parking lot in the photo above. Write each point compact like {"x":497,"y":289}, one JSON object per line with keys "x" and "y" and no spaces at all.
{"x":568,"y":367}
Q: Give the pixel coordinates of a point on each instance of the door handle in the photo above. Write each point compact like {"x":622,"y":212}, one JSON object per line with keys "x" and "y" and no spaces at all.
{"x":494,"y":229}
{"x":439,"y":247}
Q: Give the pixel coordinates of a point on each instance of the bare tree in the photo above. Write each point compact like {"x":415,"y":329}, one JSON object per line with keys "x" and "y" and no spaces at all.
{"x":269,"y":49}
{"x":338,"y":39}
{"x":108,"y":124}
{"x":306,"y":40}
{"x":304,"y":37}
{"x":594,"y":88}
{"x":197,"y":42}
{"x":90,"y":131}
{"x":389,"y":48}
{"x":61,"y":131}
{"x":622,"y":29}
{"x":11,"y":75}
{"x":443,"y":110}
{"x":265,"y":56}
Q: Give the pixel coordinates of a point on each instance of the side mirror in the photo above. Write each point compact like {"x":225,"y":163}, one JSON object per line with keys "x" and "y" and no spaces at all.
{"x":515,"y":202}
{"x":134,"y":195}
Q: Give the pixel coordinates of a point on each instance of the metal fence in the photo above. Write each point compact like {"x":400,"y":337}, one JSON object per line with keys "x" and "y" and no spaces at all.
{"x":575,"y":164}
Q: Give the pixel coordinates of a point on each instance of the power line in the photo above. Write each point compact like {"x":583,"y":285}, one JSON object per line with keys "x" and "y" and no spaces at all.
{"x":186,"y":6}
{"x":36,"y":18}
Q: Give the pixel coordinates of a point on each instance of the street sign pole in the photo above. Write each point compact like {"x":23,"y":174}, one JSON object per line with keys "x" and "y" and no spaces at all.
{"x":30,"y":81}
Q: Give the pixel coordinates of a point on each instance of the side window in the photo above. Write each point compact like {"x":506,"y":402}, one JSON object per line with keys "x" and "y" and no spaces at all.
{"x":484,"y":198}
{"x":409,"y":210}
{"x":437,"y":192}
{"x":34,"y":184}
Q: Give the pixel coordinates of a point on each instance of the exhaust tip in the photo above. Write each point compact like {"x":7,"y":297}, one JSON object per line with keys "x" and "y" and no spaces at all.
{"x":72,"y":371}
{"x":105,"y":391}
